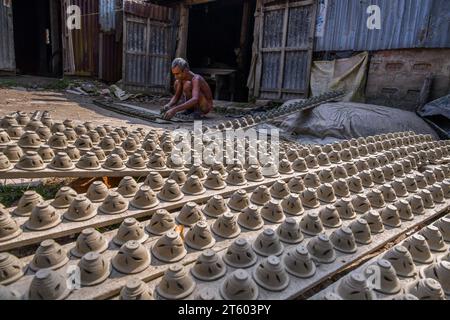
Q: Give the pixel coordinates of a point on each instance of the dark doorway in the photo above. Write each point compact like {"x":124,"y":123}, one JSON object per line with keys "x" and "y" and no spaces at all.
{"x":219,"y":45}
{"x":37,"y":37}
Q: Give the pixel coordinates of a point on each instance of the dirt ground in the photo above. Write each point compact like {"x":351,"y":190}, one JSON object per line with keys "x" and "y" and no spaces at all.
{"x":27,"y":95}
{"x":64,"y":106}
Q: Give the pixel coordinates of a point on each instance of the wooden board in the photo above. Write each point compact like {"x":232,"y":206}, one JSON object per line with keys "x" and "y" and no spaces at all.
{"x":152,"y":274}
{"x":67,"y":227}
{"x":115,"y":282}
{"x":298,"y":286}
{"x":404,"y":282}
{"x":80,"y":173}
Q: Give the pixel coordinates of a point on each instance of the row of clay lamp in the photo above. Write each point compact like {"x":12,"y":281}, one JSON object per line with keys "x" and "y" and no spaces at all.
{"x":170,"y":248}
{"x":416,"y":269}
{"x":218,"y":177}
{"x":120,"y":134}
{"x":73,"y":131}
{"x":90,"y":160}
{"x":327,"y":181}
{"x":313,"y":189}
{"x":278,"y":264}
{"x":391,"y":198}
{"x":33,"y":124}
{"x":272,"y":273}
{"x":31,"y":141}
{"x":84,"y":143}
{"x":248,"y":121}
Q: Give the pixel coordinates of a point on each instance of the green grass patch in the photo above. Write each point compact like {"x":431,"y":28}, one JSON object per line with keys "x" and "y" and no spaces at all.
{"x":10,"y":194}
{"x":8,"y":83}
{"x":59,"y":84}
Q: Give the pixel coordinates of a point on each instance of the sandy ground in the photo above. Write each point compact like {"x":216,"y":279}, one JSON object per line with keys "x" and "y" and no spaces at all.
{"x":64,"y":106}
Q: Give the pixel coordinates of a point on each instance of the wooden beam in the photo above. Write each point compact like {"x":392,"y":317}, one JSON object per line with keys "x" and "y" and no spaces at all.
{"x":243,"y":42}
{"x":194,"y":2}
{"x":259,"y":14}
{"x":183,"y":31}
{"x":100,"y":220}
{"x":312,"y":31}
{"x":283,"y":49}
{"x":291,"y":5}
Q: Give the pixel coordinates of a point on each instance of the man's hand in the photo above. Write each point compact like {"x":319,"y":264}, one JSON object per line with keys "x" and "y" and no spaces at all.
{"x":169,"y":114}
{"x":165,"y":108}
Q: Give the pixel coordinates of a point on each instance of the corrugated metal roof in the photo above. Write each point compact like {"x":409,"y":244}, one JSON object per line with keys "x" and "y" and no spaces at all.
{"x":7,"y":59}
{"x":404,"y":24}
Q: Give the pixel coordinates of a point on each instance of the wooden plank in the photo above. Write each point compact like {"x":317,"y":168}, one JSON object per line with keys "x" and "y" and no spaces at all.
{"x":114,"y":283}
{"x":259,"y":62}
{"x":283,"y":51}
{"x":195,"y":2}
{"x":279,"y":49}
{"x":403,"y":281}
{"x":68,"y":228}
{"x":312,"y":31}
{"x":124,"y":47}
{"x":100,"y":290}
{"x":298,"y":286}
{"x":45,"y":173}
{"x":147,"y":58}
{"x":183,"y":30}
{"x":282,"y":90}
{"x":243,"y":39}
{"x":291,"y":5}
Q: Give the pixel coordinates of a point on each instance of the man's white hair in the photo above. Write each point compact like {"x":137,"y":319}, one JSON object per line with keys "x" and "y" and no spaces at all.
{"x":180,"y":63}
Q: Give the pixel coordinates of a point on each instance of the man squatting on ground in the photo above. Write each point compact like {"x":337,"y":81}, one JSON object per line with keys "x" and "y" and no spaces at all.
{"x":196,"y":91}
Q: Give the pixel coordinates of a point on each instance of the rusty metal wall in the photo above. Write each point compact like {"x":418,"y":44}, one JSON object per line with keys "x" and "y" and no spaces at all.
{"x":7,"y":57}
{"x":148,"y":46}
{"x":404,"y":24}
{"x":82,"y":46}
{"x":396,"y":77}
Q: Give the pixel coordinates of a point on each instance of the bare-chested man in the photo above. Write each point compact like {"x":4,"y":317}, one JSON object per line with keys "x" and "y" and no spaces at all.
{"x":197,"y":94}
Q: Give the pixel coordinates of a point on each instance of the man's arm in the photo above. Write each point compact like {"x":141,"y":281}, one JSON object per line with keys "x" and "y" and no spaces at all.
{"x":194,"y":100}
{"x":178,"y":91}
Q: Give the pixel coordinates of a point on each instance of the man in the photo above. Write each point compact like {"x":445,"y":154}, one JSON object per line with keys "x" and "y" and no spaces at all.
{"x":197,"y":94}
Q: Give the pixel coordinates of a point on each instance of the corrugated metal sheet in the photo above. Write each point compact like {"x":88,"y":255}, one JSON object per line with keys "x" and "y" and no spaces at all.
{"x":295,"y":70}
{"x":270,"y":70}
{"x":273,"y":29}
{"x":107,"y":12}
{"x":135,"y":62}
{"x":7,"y":58}
{"x":81,"y":56}
{"x":404,"y":24}
{"x":149,"y":46}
